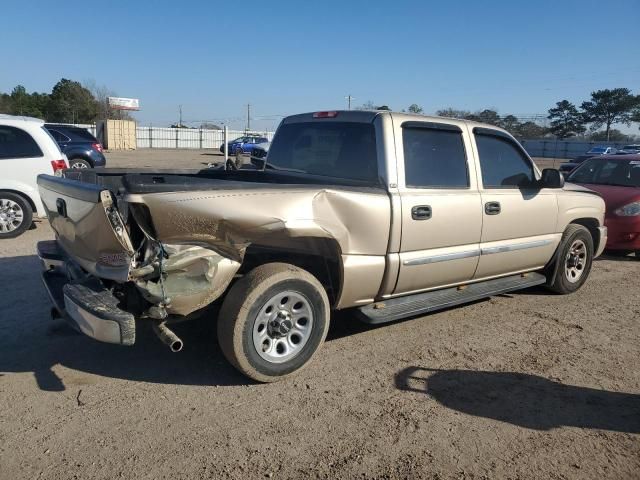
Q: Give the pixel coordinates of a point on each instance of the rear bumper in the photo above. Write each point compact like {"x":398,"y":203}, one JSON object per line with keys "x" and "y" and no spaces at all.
{"x":85,"y":302}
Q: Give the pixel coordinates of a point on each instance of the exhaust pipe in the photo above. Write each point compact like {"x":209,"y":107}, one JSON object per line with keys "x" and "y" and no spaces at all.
{"x":167,"y":336}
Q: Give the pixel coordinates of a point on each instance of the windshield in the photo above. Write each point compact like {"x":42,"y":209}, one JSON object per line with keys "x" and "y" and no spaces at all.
{"x":623,"y":173}
{"x":332,"y":149}
{"x":597,"y":150}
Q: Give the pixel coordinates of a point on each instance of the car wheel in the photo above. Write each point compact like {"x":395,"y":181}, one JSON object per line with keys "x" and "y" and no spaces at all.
{"x":16,"y":215}
{"x":575,"y":256}
{"x":79,"y":163}
{"x":273,"y":321}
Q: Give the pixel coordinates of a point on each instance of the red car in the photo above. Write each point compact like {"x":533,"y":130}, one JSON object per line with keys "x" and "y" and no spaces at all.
{"x":617,"y":179}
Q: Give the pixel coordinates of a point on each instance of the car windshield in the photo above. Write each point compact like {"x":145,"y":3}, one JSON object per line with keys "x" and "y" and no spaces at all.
{"x":623,"y":173}
{"x":332,"y":149}
{"x":597,"y":150}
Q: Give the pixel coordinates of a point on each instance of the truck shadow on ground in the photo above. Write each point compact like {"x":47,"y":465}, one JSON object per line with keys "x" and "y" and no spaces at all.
{"x":33,"y":342}
{"x":524,"y":400}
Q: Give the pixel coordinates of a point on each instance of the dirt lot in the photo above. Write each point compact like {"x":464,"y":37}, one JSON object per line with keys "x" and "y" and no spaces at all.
{"x":526,"y":385}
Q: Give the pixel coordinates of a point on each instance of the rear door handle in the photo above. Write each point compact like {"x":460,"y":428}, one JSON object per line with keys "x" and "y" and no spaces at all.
{"x":421,"y":212}
{"x":492,"y":208}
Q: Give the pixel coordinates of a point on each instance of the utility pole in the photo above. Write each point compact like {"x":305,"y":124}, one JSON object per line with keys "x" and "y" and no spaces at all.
{"x":248,"y":116}
{"x":349,"y":98}
{"x":180,"y":121}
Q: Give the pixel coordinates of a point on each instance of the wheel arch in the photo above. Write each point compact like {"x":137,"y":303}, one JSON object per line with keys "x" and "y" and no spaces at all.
{"x":26,"y":196}
{"x":81,"y":156}
{"x":592,"y":225}
{"x":321,"y":257}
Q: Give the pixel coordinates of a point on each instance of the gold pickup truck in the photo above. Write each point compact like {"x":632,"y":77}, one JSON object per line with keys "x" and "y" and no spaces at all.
{"x":391,"y":215}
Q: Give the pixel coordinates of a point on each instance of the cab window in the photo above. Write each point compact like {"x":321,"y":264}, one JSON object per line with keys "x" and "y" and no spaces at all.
{"x":502,"y":163}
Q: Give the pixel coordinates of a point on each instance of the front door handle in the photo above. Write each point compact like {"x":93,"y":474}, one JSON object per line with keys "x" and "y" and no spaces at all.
{"x":421,"y":212}
{"x":492,"y":208}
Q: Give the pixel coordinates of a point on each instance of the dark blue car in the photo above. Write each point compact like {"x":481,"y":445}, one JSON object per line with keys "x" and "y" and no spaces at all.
{"x":245,"y":144}
{"x":81,"y":148}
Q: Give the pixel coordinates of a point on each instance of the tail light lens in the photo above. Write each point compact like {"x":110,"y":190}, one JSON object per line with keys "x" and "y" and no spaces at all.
{"x":97,"y":147}
{"x":58,"y":166}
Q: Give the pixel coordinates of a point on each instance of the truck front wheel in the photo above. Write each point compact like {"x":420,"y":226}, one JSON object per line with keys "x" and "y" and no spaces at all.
{"x":573,"y":264}
{"x":273,"y":321}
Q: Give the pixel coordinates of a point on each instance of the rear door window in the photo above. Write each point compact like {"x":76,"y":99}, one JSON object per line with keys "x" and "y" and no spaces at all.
{"x":82,"y":134}
{"x":58,"y":137}
{"x":16,"y":143}
{"x":434,"y":157}
{"x":502,"y":163}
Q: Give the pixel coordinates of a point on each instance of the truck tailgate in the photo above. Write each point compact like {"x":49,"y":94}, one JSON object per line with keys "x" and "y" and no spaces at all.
{"x":88,"y":226}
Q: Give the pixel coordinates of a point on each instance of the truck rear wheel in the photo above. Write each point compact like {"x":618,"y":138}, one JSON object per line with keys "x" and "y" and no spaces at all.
{"x":575,"y":256}
{"x":273,"y":321}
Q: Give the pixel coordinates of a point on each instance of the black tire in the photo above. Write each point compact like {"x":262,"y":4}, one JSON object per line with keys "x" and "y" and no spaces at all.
{"x":246,"y":300}
{"x":79,"y":163}
{"x":10,"y":229}
{"x":567,"y":264}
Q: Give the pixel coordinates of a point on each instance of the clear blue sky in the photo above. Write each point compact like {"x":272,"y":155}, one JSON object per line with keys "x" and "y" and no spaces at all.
{"x":290,"y":56}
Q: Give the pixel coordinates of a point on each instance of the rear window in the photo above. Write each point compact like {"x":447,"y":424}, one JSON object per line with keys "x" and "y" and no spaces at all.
{"x":16,"y":143}
{"x":332,"y":149}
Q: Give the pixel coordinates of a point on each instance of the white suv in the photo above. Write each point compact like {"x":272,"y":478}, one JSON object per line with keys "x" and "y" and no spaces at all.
{"x":26,"y":150}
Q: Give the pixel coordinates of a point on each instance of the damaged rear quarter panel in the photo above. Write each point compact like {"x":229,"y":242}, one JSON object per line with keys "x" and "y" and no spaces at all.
{"x":227,"y":222}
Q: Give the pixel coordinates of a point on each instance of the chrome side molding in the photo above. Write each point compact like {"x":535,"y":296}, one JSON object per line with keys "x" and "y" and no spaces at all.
{"x":515,"y":246}
{"x":476,"y":252}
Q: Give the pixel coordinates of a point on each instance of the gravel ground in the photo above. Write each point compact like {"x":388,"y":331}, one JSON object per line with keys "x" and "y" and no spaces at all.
{"x":525,"y":385}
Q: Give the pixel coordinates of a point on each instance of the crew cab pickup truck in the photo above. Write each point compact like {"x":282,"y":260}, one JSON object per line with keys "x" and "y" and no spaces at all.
{"x":389,"y":214}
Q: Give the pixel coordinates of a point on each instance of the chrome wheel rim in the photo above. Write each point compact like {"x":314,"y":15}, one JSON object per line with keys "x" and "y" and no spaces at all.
{"x":575,"y":261}
{"x":11,"y":215}
{"x":283,"y":327}
{"x":79,"y":165}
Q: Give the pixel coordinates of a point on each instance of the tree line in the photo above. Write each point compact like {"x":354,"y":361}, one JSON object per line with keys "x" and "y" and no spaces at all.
{"x":605,"y":108}
{"x":68,"y":102}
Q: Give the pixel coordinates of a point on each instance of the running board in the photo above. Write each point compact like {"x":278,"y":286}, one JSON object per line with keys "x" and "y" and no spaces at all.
{"x":421,"y":303}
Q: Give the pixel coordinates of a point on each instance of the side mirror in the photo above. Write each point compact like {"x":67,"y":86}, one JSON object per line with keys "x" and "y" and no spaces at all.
{"x":551,"y":178}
